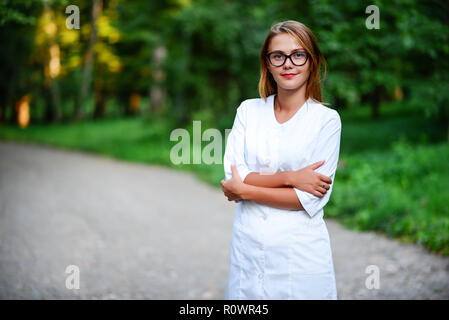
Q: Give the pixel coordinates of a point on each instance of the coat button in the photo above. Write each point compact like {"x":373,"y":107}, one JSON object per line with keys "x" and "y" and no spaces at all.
{"x":260,"y":275}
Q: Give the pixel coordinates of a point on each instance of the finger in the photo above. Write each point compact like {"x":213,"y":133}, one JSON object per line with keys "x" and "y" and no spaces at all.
{"x":231,"y":195}
{"x":225,"y":189}
{"x":321,"y":190}
{"x":224,"y":186}
{"x":323,"y":185}
{"x":318,"y":194}
{"x":316,"y":164}
{"x":325,"y":179}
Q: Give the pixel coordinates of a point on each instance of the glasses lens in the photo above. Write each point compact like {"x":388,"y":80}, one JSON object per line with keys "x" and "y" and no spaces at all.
{"x":299,"y":58}
{"x":277,"y":59}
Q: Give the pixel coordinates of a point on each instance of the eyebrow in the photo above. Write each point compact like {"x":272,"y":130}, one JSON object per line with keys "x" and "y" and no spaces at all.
{"x":290,"y":51}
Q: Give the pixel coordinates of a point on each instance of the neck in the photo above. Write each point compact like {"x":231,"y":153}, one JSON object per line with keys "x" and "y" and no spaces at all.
{"x":291,"y":100}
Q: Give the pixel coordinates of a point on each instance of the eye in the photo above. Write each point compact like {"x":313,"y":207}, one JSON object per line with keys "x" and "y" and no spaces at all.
{"x":278,"y":56}
{"x":299,"y":54}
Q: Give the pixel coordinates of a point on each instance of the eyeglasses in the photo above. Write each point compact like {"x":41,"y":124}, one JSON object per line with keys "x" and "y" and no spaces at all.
{"x":298,"y":58}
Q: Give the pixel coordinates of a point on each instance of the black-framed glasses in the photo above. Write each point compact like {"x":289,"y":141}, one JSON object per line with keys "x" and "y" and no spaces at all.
{"x":298,"y":58}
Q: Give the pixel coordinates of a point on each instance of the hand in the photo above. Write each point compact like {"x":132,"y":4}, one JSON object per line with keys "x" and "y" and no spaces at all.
{"x":306,"y":179}
{"x":233,"y":188}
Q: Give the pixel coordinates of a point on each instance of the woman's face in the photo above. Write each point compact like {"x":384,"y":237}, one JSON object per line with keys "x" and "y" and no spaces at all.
{"x":288,"y":76}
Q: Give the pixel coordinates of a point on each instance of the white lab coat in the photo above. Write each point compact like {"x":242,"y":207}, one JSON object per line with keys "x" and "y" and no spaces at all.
{"x":276,"y":253}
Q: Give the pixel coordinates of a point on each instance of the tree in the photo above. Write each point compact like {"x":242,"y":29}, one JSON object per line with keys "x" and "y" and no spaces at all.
{"x":86,"y":80}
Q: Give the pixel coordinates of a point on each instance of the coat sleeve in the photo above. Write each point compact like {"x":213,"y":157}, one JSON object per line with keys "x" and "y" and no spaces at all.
{"x":235,"y":146}
{"x":328,"y":149}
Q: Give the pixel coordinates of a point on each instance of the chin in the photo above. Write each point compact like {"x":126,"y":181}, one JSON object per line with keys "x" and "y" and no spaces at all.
{"x":286,"y":85}
{"x":289,"y":86}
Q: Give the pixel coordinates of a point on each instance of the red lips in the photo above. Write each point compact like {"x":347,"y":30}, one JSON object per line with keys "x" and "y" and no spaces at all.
{"x":288,"y":75}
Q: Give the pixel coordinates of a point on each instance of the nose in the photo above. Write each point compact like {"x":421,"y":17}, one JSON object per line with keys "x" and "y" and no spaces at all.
{"x":288,"y":64}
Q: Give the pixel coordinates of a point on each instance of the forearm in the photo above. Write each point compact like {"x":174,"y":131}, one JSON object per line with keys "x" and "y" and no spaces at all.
{"x":276,"y":180}
{"x":283,"y":198}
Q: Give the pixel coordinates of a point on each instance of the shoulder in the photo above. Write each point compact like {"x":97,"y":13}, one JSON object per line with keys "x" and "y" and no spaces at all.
{"x":328,"y":115}
{"x":251,"y":105}
{"x":253,"y":102}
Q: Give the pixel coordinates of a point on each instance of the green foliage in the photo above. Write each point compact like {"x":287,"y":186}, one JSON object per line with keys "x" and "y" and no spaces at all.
{"x":213,"y":51}
{"x":401,"y":192}
{"x":18,"y":12}
{"x":397,"y":122}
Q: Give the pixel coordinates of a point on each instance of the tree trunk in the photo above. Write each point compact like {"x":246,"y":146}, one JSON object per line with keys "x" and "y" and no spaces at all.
{"x":100,"y":103}
{"x":55,"y":101}
{"x":89,"y":62}
{"x":53,"y":69}
{"x":134,"y":103}
{"x":99,"y":100}
{"x":157,"y":95}
{"x":375,"y":99}
{"x":2,"y":114}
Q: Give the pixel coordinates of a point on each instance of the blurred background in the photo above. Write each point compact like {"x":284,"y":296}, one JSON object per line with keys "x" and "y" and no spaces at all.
{"x":136,"y":70}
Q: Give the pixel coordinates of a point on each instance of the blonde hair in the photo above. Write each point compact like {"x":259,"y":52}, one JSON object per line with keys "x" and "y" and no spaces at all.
{"x":305,"y":37}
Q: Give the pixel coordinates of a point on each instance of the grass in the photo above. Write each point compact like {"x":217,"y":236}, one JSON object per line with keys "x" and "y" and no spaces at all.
{"x":390,"y":177}
{"x":129,"y":139}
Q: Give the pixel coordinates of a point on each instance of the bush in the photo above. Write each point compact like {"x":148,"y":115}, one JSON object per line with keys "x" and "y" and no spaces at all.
{"x":403,"y":193}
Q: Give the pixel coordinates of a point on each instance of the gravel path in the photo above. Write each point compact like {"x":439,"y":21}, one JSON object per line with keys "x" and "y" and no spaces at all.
{"x":147,"y":232}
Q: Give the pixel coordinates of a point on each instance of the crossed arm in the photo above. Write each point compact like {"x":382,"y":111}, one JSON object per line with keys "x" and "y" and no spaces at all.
{"x":304,"y":189}
{"x":273,"y":190}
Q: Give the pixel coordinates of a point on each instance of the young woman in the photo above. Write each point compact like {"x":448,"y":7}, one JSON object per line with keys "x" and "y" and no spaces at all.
{"x":280,"y":161}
